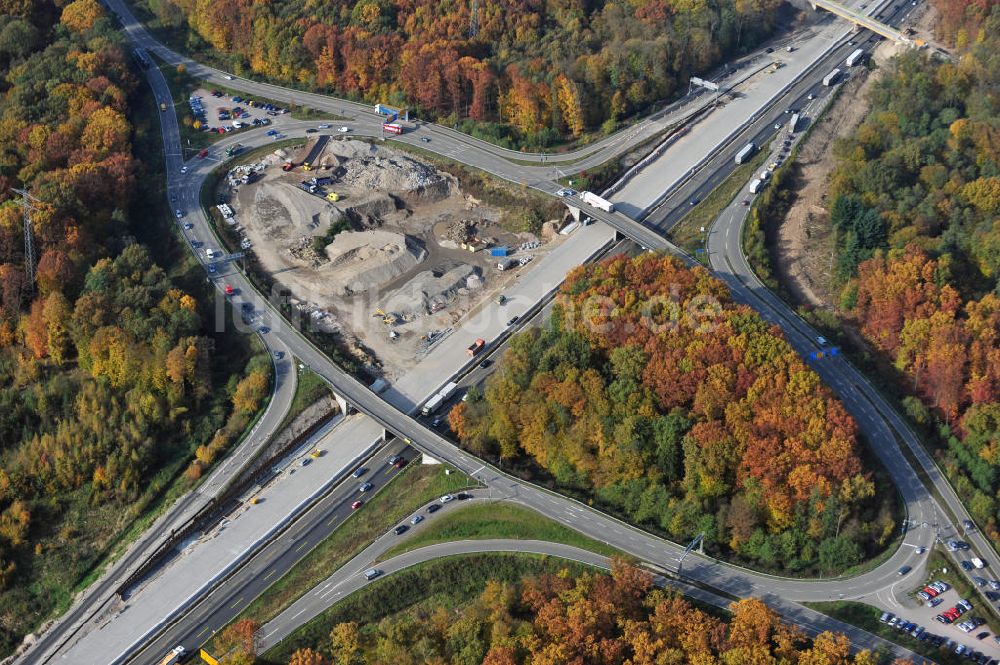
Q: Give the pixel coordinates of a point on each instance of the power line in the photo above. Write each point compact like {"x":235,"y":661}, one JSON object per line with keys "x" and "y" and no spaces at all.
{"x":29,"y":236}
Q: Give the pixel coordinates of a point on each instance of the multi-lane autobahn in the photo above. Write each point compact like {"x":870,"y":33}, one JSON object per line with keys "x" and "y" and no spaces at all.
{"x":880,"y":426}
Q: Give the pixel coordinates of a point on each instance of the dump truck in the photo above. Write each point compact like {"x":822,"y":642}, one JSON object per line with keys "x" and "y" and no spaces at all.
{"x":594,"y":200}
{"x":476,"y":347}
{"x":173,"y":657}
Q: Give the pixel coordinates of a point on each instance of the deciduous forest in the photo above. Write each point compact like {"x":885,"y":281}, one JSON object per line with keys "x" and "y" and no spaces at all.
{"x":523,"y":72}
{"x":915,"y":200}
{"x":108,"y":379}
{"x":590,"y":618}
{"x":654,"y":395}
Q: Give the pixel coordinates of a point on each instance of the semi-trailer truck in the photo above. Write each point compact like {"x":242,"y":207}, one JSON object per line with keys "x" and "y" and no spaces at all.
{"x":601,"y":204}
{"x":448,"y":390}
{"x":793,"y":123}
{"x":755,"y":185}
{"x":854,"y":58}
{"x":744,"y":154}
{"x":431,"y":405}
{"x":831,"y":78}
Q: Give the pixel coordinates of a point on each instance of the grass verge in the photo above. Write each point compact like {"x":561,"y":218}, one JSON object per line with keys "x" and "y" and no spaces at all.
{"x":448,"y":582}
{"x":483,"y":520}
{"x":309,"y":388}
{"x":686,"y":233}
{"x":416,"y":485}
{"x":866,"y":617}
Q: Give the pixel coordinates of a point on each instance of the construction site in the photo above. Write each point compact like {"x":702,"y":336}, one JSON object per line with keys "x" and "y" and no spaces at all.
{"x":373,"y":244}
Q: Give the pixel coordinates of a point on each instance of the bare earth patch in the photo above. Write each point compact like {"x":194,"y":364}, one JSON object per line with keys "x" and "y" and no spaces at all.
{"x":805,"y":240}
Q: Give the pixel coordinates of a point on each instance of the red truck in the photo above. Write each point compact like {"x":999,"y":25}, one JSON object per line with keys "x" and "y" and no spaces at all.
{"x":476,"y":347}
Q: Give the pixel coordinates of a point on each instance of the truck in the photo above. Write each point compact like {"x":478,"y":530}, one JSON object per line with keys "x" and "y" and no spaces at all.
{"x":476,"y":347}
{"x":382,"y":109}
{"x":854,"y":58}
{"x":448,"y":390}
{"x":745,"y":153}
{"x":173,"y":657}
{"x":977,"y":562}
{"x":503,"y":264}
{"x":831,"y":78}
{"x":392,"y":128}
{"x":593,"y":199}
{"x":793,"y":123}
{"x":432,"y":405}
{"x":755,"y":185}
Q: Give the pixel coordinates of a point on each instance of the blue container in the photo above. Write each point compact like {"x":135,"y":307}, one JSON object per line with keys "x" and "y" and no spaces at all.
{"x":498,"y":251}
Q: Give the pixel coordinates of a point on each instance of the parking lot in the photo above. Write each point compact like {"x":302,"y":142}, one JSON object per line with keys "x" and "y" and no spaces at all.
{"x":218,"y":112}
{"x":978,"y":643}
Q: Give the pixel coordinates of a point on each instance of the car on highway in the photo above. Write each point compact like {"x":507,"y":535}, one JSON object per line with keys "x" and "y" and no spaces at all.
{"x":513,"y":320}
{"x":968,"y":525}
{"x":695,"y":201}
{"x":462,"y":496}
{"x":485,"y":364}
{"x":769,"y":50}
{"x":278,"y":355}
{"x":263,"y":330}
{"x":305,"y":461}
{"x":746,"y":203}
{"x":401,"y":462}
{"x":178,"y":213}
{"x":436,"y":423}
{"x":188,"y":226}
{"x":416,"y":519}
{"x":323,"y":127}
{"x":184,"y":169}
{"x":393,"y":459}
{"x":434,"y":507}
{"x":211,"y":268}
{"x":904,"y":570}
{"x":777,"y":125}
{"x":995,"y":585}
{"x":446,"y":498}
{"x":365,"y":487}
{"x":344,"y":130}
{"x":227,"y":77}
{"x":425,"y":139}
{"x":400,"y":530}
{"x":229,"y":290}
{"x":811,"y":96}
{"x":372,"y":573}
{"x":966,"y":565}
{"x":311,"y":131}
{"x":920,"y":550}
{"x":357,"y":504}
{"x":565,"y":192}
{"x":358,"y":472}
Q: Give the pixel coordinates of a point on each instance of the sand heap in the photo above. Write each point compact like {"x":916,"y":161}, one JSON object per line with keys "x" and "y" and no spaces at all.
{"x":363,"y":260}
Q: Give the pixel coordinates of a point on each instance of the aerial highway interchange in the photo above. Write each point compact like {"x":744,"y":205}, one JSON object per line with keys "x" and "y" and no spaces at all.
{"x":648,"y":205}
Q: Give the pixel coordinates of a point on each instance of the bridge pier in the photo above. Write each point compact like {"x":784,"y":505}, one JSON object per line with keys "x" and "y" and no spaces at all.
{"x":345,"y":408}
{"x":574,"y":211}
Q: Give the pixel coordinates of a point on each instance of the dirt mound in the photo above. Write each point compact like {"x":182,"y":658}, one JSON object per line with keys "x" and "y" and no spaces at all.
{"x":363,"y":260}
{"x":364,"y":167}
{"x":426,"y":288}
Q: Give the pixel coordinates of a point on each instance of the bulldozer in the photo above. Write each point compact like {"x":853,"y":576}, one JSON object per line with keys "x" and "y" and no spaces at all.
{"x":387,"y":319}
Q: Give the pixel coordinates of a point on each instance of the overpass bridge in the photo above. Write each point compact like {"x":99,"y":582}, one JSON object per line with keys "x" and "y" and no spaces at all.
{"x":862,"y":20}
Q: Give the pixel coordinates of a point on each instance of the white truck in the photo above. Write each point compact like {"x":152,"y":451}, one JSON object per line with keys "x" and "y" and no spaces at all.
{"x":793,"y":123}
{"x":594,"y":200}
{"x":744,"y":154}
{"x":854,"y":58}
{"x":831,"y":78}
{"x":755,"y":185}
{"x":448,"y":390}
{"x":432,"y":405}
